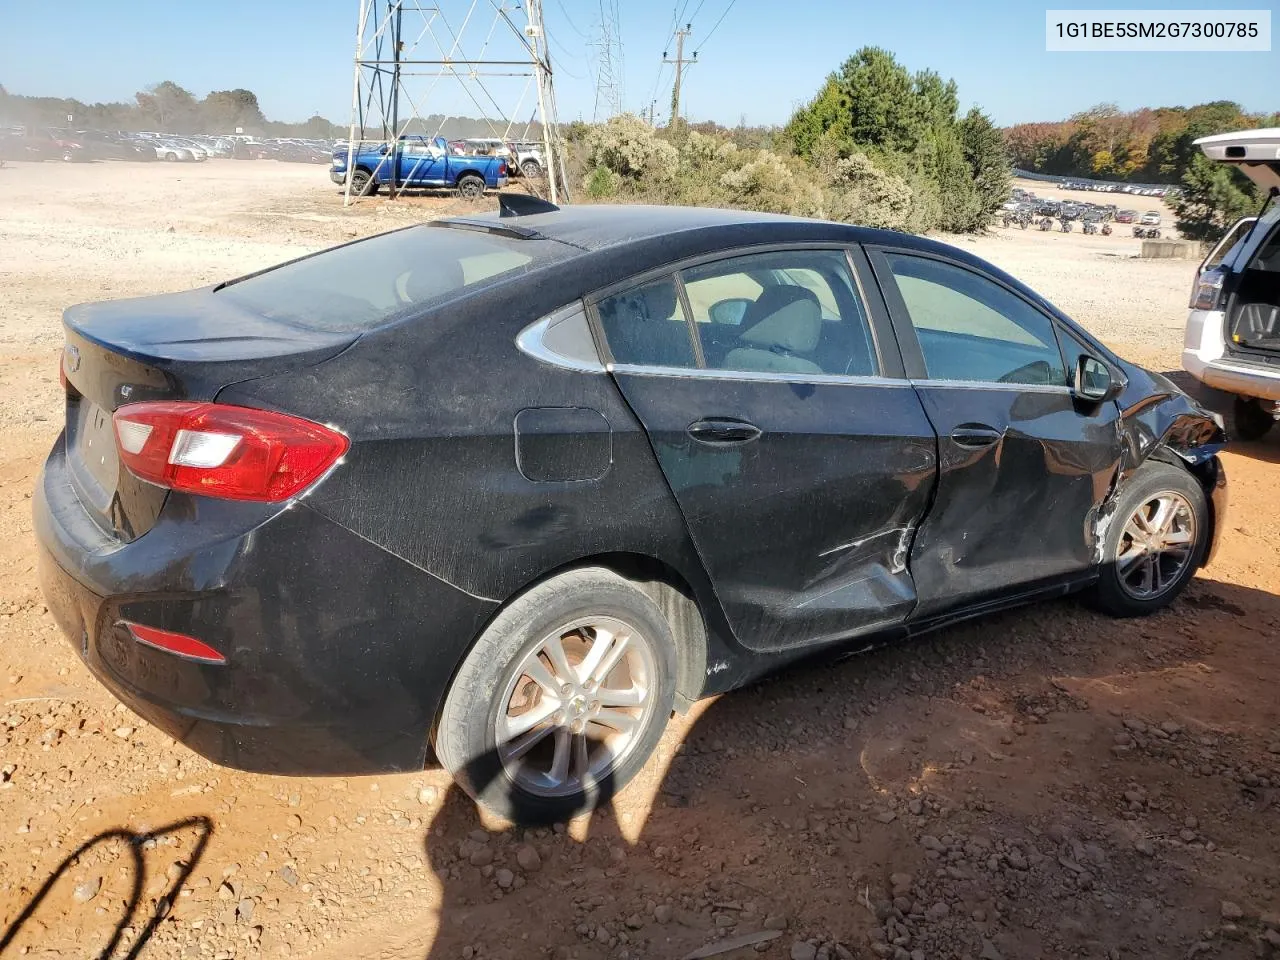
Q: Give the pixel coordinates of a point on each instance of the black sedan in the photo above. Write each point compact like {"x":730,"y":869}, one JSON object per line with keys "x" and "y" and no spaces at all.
{"x":511,"y":489}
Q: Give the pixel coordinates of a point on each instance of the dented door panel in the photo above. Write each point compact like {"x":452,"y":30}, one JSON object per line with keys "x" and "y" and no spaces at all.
{"x":1020,"y":510}
{"x":805,"y":529}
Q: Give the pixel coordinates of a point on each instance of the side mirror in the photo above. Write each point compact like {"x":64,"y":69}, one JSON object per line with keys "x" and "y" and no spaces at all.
{"x":729,"y":312}
{"x":1094,"y":381}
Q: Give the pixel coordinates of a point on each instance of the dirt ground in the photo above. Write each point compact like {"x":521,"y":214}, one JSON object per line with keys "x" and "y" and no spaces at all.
{"x":1044,"y":783}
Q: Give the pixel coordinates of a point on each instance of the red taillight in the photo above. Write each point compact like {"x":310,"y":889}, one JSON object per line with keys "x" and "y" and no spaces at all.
{"x":502,"y":169}
{"x":175,"y":643}
{"x":216,"y":450}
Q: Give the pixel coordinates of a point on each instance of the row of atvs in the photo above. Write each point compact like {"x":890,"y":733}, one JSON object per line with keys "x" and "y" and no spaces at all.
{"x":1025,"y":220}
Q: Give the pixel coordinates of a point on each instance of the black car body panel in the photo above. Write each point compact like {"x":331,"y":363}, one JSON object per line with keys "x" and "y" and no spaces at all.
{"x":862,"y":509}
{"x":184,"y":346}
{"x":337,"y":652}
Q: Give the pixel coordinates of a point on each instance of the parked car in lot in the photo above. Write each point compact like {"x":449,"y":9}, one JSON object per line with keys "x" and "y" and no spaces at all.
{"x":1232,"y":339}
{"x":421,"y":163}
{"x":513,"y":488}
{"x":1126,"y":216}
{"x":172,"y":151}
{"x":1151,"y":218}
{"x":32,"y":145}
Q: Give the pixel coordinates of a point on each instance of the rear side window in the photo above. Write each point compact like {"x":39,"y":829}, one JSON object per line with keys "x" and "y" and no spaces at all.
{"x":364,"y":284}
{"x":788,"y":311}
{"x":647,"y":326}
{"x":784,"y":312}
{"x":971,"y":328}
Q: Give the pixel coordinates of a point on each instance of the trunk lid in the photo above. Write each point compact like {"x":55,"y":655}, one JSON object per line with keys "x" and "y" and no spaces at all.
{"x":185,"y":346}
{"x":1255,"y":152}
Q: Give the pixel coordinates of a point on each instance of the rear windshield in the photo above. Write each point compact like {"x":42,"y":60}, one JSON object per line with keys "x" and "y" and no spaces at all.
{"x":364,"y":284}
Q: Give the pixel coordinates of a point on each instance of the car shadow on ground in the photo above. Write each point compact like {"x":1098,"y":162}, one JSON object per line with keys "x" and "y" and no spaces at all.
{"x":198,"y":830}
{"x":998,"y":789}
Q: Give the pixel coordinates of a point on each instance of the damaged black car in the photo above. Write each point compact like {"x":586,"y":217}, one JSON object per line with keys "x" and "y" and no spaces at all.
{"x":506,"y":491}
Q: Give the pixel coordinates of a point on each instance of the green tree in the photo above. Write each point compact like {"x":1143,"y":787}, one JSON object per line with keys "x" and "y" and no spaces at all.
{"x":881,"y":101}
{"x":167,"y":106}
{"x":224,"y":110}
{"x":988,"y":158}
{"x":826,"y":114}
{"x":1214,"y":196}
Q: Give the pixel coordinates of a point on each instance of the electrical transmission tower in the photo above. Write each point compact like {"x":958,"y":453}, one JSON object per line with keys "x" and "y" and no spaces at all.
{"x":681,"y":64}
{"x":423,"y":68}
{"x":609,"y":64}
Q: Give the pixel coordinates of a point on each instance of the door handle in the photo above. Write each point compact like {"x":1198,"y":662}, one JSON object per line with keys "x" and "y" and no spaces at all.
{"x":723,"y":431}
{"x":975,"y":435}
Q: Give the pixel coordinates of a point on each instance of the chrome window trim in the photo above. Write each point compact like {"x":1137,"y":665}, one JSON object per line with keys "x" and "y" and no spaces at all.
{"x":529,"y":341}
{"x":992,"y":385}
{"x":697,"y":373}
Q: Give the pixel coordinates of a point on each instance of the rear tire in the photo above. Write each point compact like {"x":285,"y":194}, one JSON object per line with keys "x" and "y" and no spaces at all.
{"x":509,"y":669}
{"x":531,"y":169}
{"x":471,"y":186}
{"x":1146,"y":564}
{"x":1251,"y":420}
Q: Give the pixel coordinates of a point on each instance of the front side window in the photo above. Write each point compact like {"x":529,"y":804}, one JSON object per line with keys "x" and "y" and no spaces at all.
{"x":972,"y":329}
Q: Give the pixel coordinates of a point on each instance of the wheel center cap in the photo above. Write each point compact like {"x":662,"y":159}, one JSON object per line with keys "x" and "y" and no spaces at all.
{"x":578,"y":706}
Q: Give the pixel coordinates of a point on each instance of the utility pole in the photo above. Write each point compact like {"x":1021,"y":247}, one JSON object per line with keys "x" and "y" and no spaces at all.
{"x":680,"y":63}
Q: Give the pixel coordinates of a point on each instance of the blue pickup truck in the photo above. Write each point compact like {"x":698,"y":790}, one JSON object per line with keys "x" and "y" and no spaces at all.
{"x":423,"y":162}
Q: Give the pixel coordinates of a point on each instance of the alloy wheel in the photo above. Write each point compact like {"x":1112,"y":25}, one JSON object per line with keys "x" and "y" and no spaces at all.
{"x":576,"y":706}
{"x":1156,"y":546}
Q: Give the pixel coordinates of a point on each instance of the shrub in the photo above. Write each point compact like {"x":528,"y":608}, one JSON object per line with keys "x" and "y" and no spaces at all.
{"x":631,"y":149}
{"x":601,"y":183}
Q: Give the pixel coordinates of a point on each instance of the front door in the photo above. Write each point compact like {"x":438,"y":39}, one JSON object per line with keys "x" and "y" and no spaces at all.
{"x":799,"y":456}
{"x":421,"y":162}
{"x":1023,"y":465}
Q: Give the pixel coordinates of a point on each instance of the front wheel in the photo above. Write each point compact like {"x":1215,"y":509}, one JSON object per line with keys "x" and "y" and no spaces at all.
{"x":471,"y":187}
{"x":1252,"y":421}
{"x":362,"y":184}
{"x":1154,"y":543}
{"x":562,"y":699}
{"x":531,"y":169}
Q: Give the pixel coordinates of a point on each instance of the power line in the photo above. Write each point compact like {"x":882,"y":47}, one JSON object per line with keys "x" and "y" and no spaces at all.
{"x":677,"y":12}
{"x":569,"y":20}
{"x":717,"y":24}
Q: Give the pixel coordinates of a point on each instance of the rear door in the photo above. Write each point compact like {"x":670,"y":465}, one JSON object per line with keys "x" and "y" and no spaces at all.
{"x":772,"y":393}
{"x":1023,"y":467}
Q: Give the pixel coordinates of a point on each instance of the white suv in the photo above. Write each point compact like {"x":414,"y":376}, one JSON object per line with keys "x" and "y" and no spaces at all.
{"x":1232,"y":339}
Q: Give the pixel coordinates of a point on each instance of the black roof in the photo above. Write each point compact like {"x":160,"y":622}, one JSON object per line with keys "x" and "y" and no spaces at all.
{"x":605,"y":228}
{"x":600,"y":226}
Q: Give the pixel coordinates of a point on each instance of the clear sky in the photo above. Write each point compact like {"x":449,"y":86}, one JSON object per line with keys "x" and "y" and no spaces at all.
{"x":763,"y":59}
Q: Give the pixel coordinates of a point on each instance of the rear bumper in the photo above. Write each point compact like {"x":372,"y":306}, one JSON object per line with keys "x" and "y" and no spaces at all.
{"x":1204,"y":356}
{"x":338,"y":654}
{"x":1245,"y":380}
